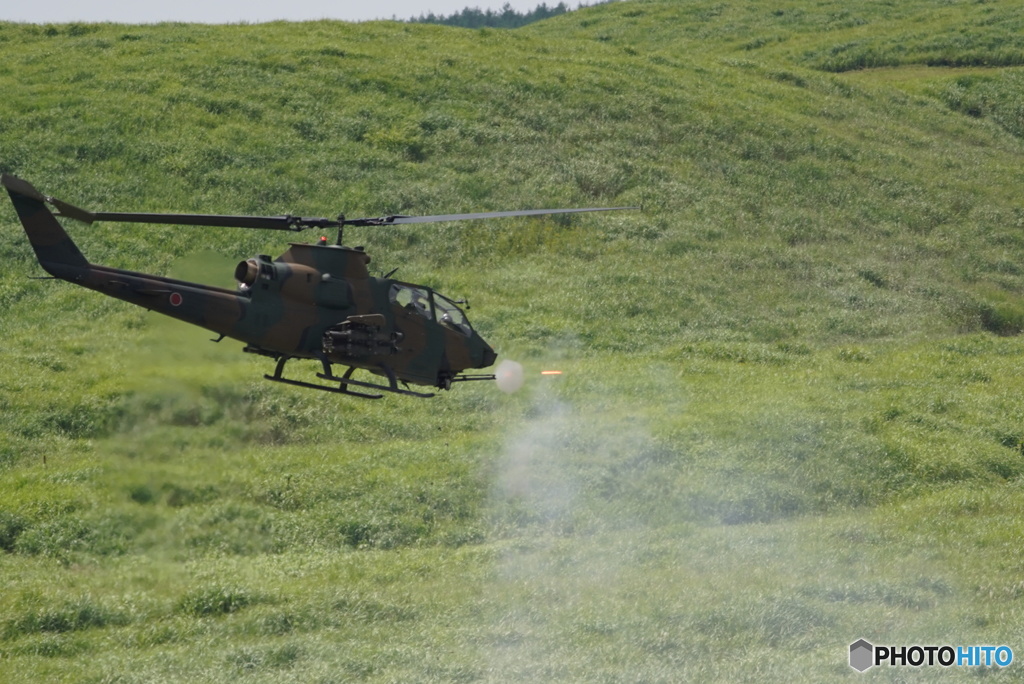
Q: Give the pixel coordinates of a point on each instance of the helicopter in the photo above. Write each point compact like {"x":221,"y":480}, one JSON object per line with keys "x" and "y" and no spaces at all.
{"x":315,"y":301}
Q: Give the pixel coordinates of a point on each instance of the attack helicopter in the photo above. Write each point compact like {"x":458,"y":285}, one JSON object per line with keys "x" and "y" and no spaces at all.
{"x":316,"y":301}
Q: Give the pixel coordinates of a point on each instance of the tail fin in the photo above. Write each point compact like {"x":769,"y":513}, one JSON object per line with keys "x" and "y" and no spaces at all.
{"x":52,"y":245}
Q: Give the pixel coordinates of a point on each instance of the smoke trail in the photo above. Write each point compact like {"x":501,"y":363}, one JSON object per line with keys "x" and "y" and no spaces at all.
{"x":533,"y":477}
{"x":554,"y":572}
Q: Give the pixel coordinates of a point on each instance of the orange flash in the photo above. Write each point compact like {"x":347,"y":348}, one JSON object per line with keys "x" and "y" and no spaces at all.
{"x":551,"y":372}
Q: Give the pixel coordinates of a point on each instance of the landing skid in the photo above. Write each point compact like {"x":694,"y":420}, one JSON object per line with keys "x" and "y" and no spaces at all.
{"x":344,"y":381}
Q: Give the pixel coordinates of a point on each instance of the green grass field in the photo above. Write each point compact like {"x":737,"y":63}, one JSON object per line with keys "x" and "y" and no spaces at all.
{"x":791,"y":415}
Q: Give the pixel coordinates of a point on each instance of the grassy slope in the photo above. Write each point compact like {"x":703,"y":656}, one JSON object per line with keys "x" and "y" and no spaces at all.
{"x":791,"y":416}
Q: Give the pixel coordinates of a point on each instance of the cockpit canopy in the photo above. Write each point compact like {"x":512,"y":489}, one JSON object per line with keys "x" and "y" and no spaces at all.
{"x":430,"y":305}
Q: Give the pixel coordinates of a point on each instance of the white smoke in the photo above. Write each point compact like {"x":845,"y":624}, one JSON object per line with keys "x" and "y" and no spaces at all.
{"x":509,"y":376}
{"x":534,"y":478}
{"x":554,"y":571}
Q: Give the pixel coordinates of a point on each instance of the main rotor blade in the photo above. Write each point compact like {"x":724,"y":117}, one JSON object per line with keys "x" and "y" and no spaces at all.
{"x":69,"y":210}
{"x":395,"y":220}
{"x":287,"y":222}
{"x":221,"y":221}
{"x":297,"y":223}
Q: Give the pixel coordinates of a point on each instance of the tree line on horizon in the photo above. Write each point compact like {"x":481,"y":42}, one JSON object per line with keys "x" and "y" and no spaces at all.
{"x":505,"y":18}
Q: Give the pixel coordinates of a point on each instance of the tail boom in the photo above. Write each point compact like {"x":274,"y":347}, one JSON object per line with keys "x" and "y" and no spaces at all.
{"x":213,"y":308}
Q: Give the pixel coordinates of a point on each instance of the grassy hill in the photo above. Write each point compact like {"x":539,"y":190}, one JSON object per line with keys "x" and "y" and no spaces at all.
{"x":791,"y":411}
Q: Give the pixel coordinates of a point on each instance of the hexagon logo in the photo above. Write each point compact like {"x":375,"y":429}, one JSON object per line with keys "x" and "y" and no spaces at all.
{"x":861,"y":655}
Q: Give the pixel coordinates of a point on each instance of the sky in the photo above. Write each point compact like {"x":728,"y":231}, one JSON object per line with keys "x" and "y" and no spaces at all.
{"x":235,"y":11}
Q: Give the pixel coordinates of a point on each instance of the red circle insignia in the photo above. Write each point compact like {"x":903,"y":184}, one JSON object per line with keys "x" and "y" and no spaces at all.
{"x":176,"y":299}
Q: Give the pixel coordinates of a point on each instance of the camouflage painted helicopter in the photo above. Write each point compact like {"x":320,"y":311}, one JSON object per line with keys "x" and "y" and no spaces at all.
{"x":315,"y":301}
